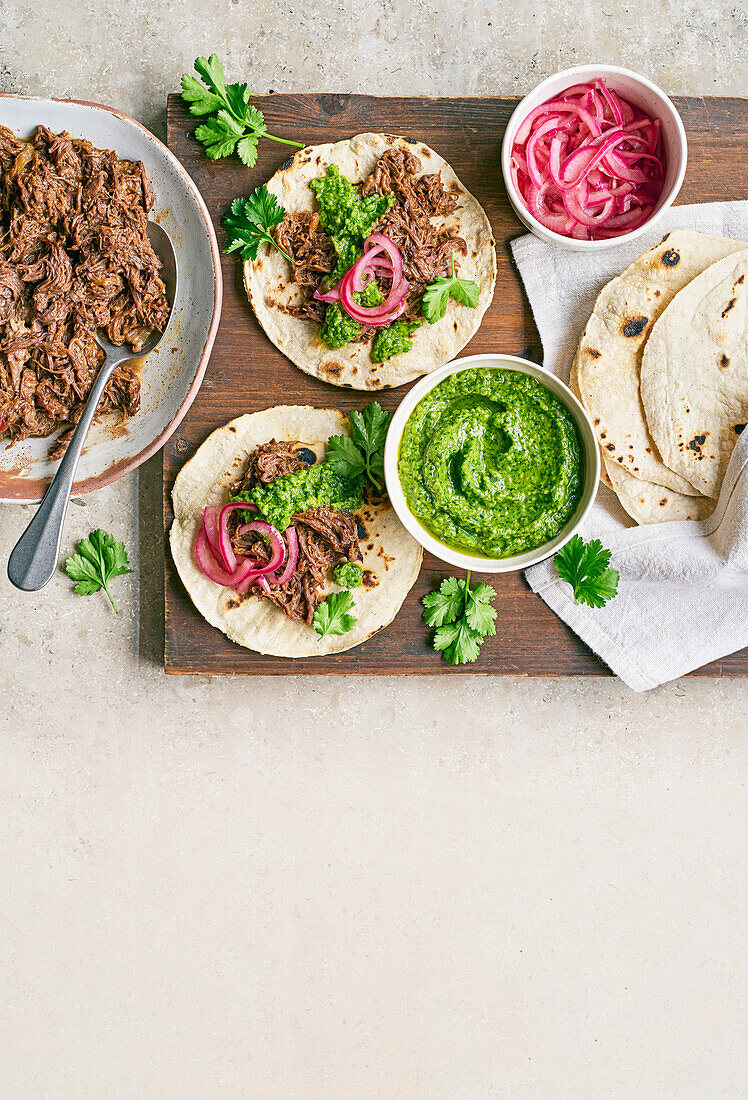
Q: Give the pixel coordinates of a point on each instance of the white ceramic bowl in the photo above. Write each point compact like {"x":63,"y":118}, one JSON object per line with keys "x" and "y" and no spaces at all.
{"x":171,"y":375}
{"x":447,"y":553}
{"x":641,"y":93}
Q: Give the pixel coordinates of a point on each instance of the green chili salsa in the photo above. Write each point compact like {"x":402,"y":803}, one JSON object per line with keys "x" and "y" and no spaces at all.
{"x":292,"y":493}
{"x":491,"y":463}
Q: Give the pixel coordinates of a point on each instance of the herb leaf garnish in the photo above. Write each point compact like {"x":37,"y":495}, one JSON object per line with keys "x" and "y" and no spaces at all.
{"x":463,"y":617}
{"x":586,"y":567}
{"x":237,"y":125}
{"x":437,"y":295}
{"x":248,"y":223}
{"x":362,"y":451}
{"x":331,"y":616}
{"x":99,"y":558}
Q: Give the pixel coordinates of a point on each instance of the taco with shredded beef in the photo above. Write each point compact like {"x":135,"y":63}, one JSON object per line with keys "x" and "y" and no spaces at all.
{"x":340,"y":200}
{"x":295,"y":534}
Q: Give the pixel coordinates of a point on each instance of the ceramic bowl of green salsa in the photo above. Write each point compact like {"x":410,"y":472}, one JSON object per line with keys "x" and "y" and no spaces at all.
{"x":491,"y":463}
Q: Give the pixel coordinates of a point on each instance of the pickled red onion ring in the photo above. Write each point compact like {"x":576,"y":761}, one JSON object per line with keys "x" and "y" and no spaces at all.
{"x":380,"y":257}
{"x":213,"y":570}
{"x":588,"y":164}
{"x":274,"y":537}
{"x":292,"y":557}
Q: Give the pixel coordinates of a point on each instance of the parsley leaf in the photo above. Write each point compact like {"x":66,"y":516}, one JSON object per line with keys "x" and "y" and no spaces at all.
{"x":479,"y":610}
{"x":458,"y":643}
{"x":331,"y":616}
{"x":585,"y":565}
{"x":248,"y":223}
{"x":463,"y":617}
{"x":237,"y":125}
{"x":99,"y":558}
{"x":437,"y":295}
{"x":343,"y":457}
{"x":362,"y":451}
{"x":446,"y":604}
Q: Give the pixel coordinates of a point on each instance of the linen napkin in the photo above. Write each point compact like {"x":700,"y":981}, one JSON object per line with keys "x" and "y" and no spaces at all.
{"x":683,"y":592}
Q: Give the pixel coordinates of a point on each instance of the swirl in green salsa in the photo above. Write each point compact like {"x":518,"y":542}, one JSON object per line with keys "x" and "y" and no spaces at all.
{"x":491,"y":463}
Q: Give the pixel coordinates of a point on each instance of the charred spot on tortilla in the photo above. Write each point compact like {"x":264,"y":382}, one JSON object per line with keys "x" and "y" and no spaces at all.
{"x":657,"y":294}
{"x":370,"y":579}
{"x":663,"y":502}
{"x":334,"y":368}
{"x":610,"y":446}
{"x":697,"y":443}
{"x":232,"y":604}
{"x":648,"y":450}
{"x":724,"y":361}
{"x":603,"y":435}
{"x":306,"y":454}
{"x":361,"y":530}
{"x":597,"y":421}
{"x":635,"y":327}
{"x":232,"y":428}
{"x":620,"y":458}
{"x":664,"y":238}
{"x":671,"y":258}
{"x":740,"y":279}
{"x":593,"y":353}
{"x":729,"y":306}
{"x":287,"y":164}
{"x":739,"y":428}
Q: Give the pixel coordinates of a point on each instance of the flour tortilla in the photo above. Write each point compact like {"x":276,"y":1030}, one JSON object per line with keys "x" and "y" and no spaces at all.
{"x":644,"y":501}
{"x":611,"y":349}
{"x":647,"y":502}
{"x":695,"y":374}
{"x":392,"y":559}
{"x":268,"y":284}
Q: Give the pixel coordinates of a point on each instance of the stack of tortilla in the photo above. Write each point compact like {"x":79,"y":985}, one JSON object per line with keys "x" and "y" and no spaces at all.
{"x":662,"y":369}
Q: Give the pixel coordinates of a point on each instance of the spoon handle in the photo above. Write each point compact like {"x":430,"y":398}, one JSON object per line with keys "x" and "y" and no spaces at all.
{"x":34,"y":557}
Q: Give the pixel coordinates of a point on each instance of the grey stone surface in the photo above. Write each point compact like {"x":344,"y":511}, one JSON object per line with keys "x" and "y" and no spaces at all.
{"x":337,"y":887}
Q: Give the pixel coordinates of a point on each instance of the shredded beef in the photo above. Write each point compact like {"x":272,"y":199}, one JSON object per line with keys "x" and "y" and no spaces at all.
{"x":426,"y":248}
{"x":74,"y":257}
{"x":326,"y":536}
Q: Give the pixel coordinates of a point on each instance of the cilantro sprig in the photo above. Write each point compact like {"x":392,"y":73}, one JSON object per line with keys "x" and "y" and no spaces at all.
{"x":99,"y":558}
{"x":332,"y":615}
{"x":586,"y":567}
{"x":248,"y":223}
{"x":363,"y":451}
{"x":436,"y":296}
{"x":463,"y":618}
{"x":237,"y":126}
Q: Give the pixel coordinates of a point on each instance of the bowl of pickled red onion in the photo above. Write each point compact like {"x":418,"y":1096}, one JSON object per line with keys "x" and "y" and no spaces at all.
{"x":593,"y":156}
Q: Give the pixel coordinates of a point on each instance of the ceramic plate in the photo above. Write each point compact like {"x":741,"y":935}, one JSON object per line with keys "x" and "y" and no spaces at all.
{"x":172,"y":374}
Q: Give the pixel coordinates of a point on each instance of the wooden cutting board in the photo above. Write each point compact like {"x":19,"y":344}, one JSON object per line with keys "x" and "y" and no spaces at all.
{"x":247,"y":373}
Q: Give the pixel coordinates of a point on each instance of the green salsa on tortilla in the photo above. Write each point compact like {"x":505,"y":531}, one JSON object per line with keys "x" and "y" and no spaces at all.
{"x":491,"y":463}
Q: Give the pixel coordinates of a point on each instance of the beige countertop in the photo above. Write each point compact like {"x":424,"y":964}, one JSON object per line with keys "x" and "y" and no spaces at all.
{"x":347,"y":887}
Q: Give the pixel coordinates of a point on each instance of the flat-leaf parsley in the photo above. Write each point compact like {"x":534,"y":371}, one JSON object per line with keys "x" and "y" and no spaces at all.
{"x":585,"y":565}
{"x":463,"y":617}
{"x":99,"y":558}
{"x":437,"y":295}
{"x":248,"y":223}
{"x":362,"y":451}
{"x":237,"y":126}
{"x":331,"y":617}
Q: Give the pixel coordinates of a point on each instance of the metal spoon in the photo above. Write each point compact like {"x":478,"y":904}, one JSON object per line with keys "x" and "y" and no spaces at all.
{"x":34,"y":557}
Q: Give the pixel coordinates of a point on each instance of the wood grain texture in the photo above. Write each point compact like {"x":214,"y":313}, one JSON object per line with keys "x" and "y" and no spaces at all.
{"x":247,"y":373}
